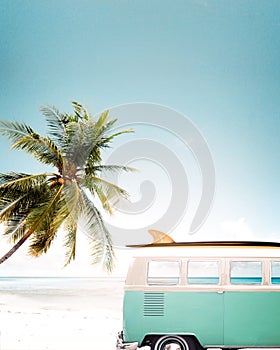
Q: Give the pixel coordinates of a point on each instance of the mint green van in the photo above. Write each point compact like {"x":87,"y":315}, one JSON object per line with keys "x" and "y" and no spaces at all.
{"x":191,"y":296}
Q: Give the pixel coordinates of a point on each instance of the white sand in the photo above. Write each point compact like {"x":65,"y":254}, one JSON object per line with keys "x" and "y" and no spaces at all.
{"x":56,"y":331}
{"x":25,"y":325}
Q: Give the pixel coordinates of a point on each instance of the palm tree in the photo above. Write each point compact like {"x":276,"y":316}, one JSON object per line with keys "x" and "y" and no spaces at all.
{"x":35,"y":206}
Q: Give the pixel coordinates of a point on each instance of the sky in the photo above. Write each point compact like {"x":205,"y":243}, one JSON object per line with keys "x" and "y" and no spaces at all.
{"x":216,"y":63}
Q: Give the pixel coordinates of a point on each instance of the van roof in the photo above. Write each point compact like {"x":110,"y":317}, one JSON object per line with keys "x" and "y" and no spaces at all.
{"x":209,"y":249}
{"x":209,"y":244}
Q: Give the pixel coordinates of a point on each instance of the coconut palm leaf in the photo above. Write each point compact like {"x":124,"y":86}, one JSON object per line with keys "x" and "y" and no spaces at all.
{"x":70,"y":239}
{"x":98,"y":235}
{"x":25,"y":138}
{"x":80,"y":111}
{"x":73,"y":203}
{"x":40,"y":220}
{"x":19,"y":193}
{"x":41,"y":214}
{"x":15,"y":228}
{"x":107,"y":140}
{"x":15,"y":221}
{"x":60,"y":215}
{"x":14,"y":130}
{"x":41,"y":240}
{"x":79,"y":143}
{"x":22,"y":182}
{"x":56,"y":123}
{"x":9,"y":206}
{"x":107,"y":192}
{"x":111,"y":168}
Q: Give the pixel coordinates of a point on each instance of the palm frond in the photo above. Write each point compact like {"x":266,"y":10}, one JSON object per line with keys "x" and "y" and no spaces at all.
{"x":82,"y":142}
{"x":15,"y":130}
{"x":60,"y":215}
{"x":108,"y":193}
{"x":52,"y":220}
{"x":103,"y":120}
{"x":25,"y":138}
{"x":107,"y":140}
{"x":56,"y":122}
{"x":102,"y":127}
{"x":15,"y":227}
{"x":41,"y":242}
{"x":41,"y":214}
{"x":9,"y":206}
{"x":73,"y":199}
{"x":98,"y":235}
{"x":42,"y":148}
{"x":78,"y":144}
{"x":92,"y":169}
{"x":70,"y":240}
{"x":20,"y":181}
{"x":41,"y":222}
{"x":97,"y":130}
{"x":17,"y":205}
{"x":13,"y":215}
{"x":80,"y":111}
{"x":100,"y":139}
{"x":87,"y":137}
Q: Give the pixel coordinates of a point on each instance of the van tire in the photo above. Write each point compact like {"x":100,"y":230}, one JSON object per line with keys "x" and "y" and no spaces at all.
{"x":185,"y":344}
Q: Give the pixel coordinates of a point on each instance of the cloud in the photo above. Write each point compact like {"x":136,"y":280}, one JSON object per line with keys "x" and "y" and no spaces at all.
{"x":237,"y":230}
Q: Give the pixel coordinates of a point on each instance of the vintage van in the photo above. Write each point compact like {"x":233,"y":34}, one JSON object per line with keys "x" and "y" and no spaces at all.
{"x":188,"y":296}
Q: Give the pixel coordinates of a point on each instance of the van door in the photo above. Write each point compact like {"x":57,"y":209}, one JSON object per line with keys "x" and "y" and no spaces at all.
{"x":201,"y":314}
{"x":204,"y":301}
{"x":252,"y":318}
{"x":251,"y":313}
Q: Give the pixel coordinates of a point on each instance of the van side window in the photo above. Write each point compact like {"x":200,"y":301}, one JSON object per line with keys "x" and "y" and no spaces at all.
{"x":246,"y":272}
{"x":275,"y":272}
{"x":163,"y":272}
{"x":203,"y":272}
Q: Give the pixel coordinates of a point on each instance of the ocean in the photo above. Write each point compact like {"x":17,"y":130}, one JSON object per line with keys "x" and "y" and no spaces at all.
{"x":56,"y":293}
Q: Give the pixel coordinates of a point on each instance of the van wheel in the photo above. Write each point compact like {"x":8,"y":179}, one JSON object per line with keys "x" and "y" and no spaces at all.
{"x":173,"y":342}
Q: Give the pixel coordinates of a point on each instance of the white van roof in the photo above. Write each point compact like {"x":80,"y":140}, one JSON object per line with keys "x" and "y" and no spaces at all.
{"x":210,"y":249}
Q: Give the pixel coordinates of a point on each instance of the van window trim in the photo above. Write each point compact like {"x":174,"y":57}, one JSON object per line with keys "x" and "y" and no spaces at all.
{"x":224,"y":277}
{"x":270,"y":272}
{"x":202,"y":259}
{"x":178,"y":260}
{"x":245,"y":259}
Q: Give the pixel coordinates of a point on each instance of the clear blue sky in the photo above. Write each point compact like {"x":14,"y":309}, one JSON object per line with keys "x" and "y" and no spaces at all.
{"x":218,"y":62}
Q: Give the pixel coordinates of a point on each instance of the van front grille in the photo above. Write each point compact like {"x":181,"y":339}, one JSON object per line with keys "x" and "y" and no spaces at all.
{"x":153,"y":304}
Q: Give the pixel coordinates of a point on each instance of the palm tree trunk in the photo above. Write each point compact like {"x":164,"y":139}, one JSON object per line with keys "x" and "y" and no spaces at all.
{"x":16,"y":246}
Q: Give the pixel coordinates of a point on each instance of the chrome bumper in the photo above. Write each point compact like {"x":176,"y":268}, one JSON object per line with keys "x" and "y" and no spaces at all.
{"x":122,"y":345}
{"x":128,"y":346}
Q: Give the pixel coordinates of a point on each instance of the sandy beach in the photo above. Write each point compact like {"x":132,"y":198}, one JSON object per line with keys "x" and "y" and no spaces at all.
{"x":61,"y":318}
